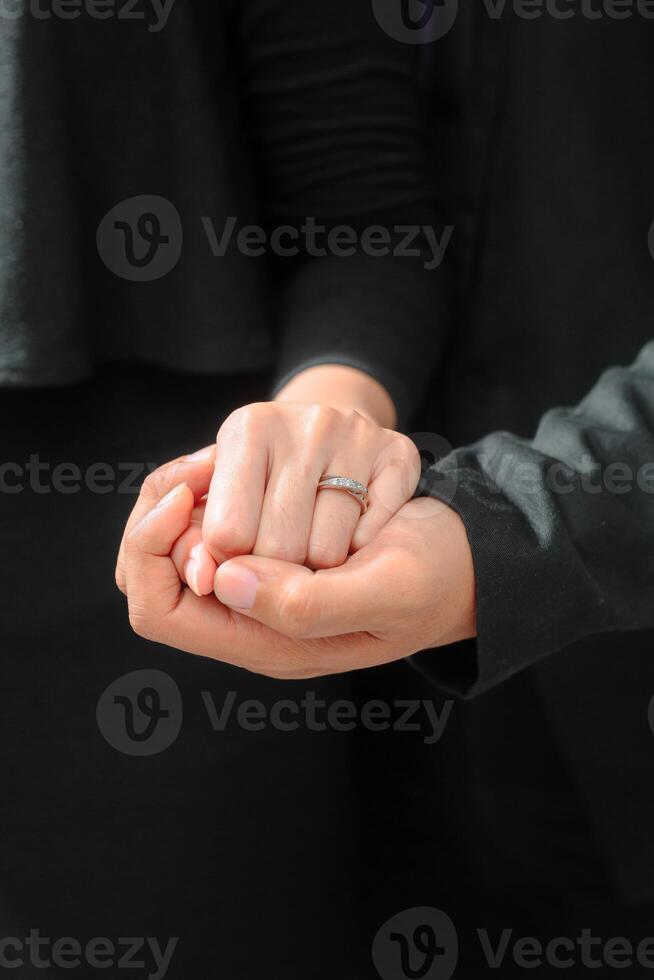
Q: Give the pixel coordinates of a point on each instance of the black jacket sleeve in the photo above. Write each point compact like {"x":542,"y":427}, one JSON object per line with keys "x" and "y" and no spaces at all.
{"x":336,"y":113}
{"x":561,"y":530}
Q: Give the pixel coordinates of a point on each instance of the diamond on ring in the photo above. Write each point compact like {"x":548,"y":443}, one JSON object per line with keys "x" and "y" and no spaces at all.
{"x":356,"y":489}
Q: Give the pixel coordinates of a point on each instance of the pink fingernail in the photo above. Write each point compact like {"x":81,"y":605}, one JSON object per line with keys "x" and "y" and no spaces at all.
{"x":236,"y":586}
{"x":205,"y":569}
{"x":191,"y":573}
{"x":198,"y":551}
{"x":200,"y":455}
{"x":175,"y":492}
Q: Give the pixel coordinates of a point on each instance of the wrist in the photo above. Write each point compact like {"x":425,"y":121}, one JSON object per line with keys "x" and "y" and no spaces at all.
{"x":341,"y":387}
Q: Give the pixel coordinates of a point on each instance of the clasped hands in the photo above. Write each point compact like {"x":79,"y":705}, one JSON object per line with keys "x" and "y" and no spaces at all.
{"x":232,"y":553}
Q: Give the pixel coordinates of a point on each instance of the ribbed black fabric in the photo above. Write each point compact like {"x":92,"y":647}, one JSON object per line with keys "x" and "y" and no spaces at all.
{"x":266,"y":111}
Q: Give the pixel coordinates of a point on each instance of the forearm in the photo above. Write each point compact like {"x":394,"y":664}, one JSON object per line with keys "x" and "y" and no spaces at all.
{"x":341,"y":387}
{"x":336,"y":111}
{"x":561,"y":528}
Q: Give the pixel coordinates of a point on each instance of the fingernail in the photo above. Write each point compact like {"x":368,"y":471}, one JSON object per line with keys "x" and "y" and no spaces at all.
{"x":200,"y":455}
{"x":236,"y":586}
{"x":198,"y":551}
{"x":175,"y":492}
{"x":191,"y":573}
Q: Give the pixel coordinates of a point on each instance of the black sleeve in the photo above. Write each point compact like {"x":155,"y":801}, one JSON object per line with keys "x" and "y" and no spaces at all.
{"x":336,"y":112}
{"x":561,"y":530}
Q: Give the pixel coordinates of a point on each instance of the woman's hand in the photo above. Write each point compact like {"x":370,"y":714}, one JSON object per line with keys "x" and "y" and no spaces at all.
{"x":264,"y":498}
{"x":269,"y":459}
{"x":411,"y":588}
{"x":267,"y":462}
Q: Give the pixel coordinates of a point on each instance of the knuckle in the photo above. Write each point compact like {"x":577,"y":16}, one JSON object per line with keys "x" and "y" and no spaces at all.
{"x":320,"y":420}
{"x":141,"y":622}
{"x":406,"y":447}
{"x":153,"y":487}
{"x":411,"y":460}
{"x":360,"y":425}
{"x":402,"y":458}
{"x":227,"y":539}
{"x":295,"y":611}
{"x":282,"y":550}
{"x":323,"y":554}
{"x":246,"y":417}
{"x":119,"y":577}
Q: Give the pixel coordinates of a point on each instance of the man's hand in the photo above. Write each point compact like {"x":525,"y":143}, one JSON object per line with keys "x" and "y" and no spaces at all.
{"x":409,"y":589}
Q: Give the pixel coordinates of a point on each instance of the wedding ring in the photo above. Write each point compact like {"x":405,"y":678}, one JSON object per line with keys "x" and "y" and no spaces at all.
{"x":353,"y":487}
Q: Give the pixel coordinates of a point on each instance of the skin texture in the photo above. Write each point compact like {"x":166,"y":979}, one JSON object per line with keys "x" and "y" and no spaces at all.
{"x":270,"y":457}
{"x":301,"y":623}
{"x":342,"y":387}
{"x":270,"y":586}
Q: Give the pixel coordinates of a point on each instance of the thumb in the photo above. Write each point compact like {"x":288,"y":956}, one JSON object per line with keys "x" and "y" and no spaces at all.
{"x":300,"y":603}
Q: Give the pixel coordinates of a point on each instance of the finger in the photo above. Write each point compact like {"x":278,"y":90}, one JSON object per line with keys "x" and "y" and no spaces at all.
{"x":153,"y":585}
{"x":195,"y":470}
{"x":393,"y":482}
{"x":237,"y":486}
{"x":195,"y":566}
{"x":304,"y":604}
{"x":287,"y":511}
{"x":335,"y":517}
{"x":164,"y":612}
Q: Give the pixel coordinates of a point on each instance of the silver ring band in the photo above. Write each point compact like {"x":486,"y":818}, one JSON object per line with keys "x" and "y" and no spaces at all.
{"x":344,"y":483}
